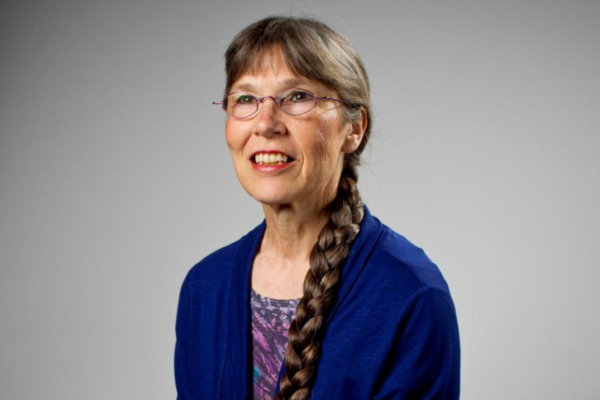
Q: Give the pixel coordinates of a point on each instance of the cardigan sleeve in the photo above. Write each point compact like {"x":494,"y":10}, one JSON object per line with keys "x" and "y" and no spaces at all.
{"x":422,"y":361}
{"x":182,"y":368}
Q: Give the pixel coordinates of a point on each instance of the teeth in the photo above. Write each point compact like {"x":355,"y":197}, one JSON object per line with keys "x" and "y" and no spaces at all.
{"x":270,"y":158}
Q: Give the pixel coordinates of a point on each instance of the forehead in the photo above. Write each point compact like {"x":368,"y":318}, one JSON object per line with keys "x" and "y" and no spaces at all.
{"x":270,"y":71}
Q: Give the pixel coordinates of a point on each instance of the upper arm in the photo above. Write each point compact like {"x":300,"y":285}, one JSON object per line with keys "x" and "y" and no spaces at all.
{"x":422,"y":361}
{"x":182,"y":370}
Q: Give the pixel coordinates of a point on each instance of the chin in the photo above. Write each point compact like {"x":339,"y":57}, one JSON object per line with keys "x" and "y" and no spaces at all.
{"x":264,"y":187}
{"x":272,"y":200}
{"x":270,"y":195}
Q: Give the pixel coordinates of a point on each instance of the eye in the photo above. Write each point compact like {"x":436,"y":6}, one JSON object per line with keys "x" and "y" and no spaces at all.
{"x":244,"y":99}
{"x":298,"y":96}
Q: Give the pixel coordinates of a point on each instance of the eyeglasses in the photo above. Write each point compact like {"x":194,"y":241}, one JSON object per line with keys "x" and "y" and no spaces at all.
{"x":292,"y":102}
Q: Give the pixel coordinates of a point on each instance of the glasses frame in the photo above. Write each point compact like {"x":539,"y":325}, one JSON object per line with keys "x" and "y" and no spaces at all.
{"x":259,"y":100}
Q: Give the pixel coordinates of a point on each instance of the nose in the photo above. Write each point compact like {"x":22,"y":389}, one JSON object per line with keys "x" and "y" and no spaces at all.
{"x":268,"y":122}
{"x":262,"y":99}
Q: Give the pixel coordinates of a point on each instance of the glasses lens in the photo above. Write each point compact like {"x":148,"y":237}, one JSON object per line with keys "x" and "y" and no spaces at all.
{"x":241,"y":105}
{"x":296,"y":102}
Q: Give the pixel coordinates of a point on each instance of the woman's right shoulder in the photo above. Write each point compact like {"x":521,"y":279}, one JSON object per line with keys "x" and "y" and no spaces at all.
{"x":220,"y":264}
{"x":210,"y":279}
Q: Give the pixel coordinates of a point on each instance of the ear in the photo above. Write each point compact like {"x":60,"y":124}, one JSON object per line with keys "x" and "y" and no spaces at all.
{"x":357,"y":132}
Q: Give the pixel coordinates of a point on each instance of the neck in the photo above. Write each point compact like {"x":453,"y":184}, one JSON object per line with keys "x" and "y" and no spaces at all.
{"x":292,"y":231}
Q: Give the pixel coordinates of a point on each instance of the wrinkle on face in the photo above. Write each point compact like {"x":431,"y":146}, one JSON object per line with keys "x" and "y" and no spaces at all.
{"x":315,"y":139}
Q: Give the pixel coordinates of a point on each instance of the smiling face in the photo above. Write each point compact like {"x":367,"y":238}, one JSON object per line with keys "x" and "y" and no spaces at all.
{"x":313,"y":143}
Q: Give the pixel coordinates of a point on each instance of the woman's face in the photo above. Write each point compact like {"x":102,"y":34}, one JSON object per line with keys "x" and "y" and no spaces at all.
{"x":314,"y":143}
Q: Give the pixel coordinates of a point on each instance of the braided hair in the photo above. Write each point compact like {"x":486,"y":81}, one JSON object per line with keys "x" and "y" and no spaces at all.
{"x":320,"y":289}
{"x":315,"y":51}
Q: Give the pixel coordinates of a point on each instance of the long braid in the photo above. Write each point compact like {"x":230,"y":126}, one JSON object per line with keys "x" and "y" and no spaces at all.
{"x":320,"y":287}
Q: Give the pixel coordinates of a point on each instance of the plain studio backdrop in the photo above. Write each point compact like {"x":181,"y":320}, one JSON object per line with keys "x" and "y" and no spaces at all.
{"x":115,"y":179}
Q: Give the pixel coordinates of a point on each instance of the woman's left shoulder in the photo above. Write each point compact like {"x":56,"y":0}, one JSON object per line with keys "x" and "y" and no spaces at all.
{"x":399,"y":255}
{"x":396,"y":319}
{"x":396,"y":269}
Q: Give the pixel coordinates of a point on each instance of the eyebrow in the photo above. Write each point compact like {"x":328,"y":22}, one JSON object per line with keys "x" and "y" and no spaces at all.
{"x":287,"y":83}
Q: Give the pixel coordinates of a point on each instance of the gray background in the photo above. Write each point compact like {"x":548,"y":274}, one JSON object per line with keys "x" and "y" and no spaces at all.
{"x":115,"y":179}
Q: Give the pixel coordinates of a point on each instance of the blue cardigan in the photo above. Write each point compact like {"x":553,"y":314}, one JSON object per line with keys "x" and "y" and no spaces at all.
{"x":392,"y":333}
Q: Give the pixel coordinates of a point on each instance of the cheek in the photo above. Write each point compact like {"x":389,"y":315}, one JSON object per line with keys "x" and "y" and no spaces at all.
{"x":332,"y":137}
{"x":325,"y":147}
{"x":232,"y":136}
{"x":230,"y":143}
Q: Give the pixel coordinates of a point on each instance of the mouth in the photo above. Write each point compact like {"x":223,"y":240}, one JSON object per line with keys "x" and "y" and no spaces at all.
{"x":271,"y":158}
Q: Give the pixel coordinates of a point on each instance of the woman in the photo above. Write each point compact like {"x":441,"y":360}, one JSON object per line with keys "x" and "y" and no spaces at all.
{"x":369,"y":315}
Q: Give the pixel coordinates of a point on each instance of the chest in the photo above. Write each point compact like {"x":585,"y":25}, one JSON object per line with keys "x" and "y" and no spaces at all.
{"x":278,"y":279}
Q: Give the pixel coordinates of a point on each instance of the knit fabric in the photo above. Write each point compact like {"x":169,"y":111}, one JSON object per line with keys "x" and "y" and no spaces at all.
{"x":391,"y":334}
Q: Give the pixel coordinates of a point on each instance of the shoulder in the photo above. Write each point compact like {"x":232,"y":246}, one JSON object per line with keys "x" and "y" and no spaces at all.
{"x":217,"y":262}
{"x":402,"y":256}
{"x":409,"y":290}
{"x":397,"y":319}
{"x":419,"y":326}
{"x":400,"y":271}
{"x":217,"y":267}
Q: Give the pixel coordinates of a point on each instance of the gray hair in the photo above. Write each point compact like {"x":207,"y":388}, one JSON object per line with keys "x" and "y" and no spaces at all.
{"x":310,"y":49}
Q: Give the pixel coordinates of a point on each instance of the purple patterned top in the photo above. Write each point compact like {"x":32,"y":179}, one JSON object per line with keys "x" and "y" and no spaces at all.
{"x":271,"y":319}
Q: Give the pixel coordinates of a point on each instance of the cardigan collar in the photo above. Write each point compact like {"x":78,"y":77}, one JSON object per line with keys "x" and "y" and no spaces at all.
{"x":238,"y":360}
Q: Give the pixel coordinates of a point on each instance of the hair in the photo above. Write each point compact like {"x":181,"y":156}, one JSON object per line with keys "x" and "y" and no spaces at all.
{"x":313,"y":50}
